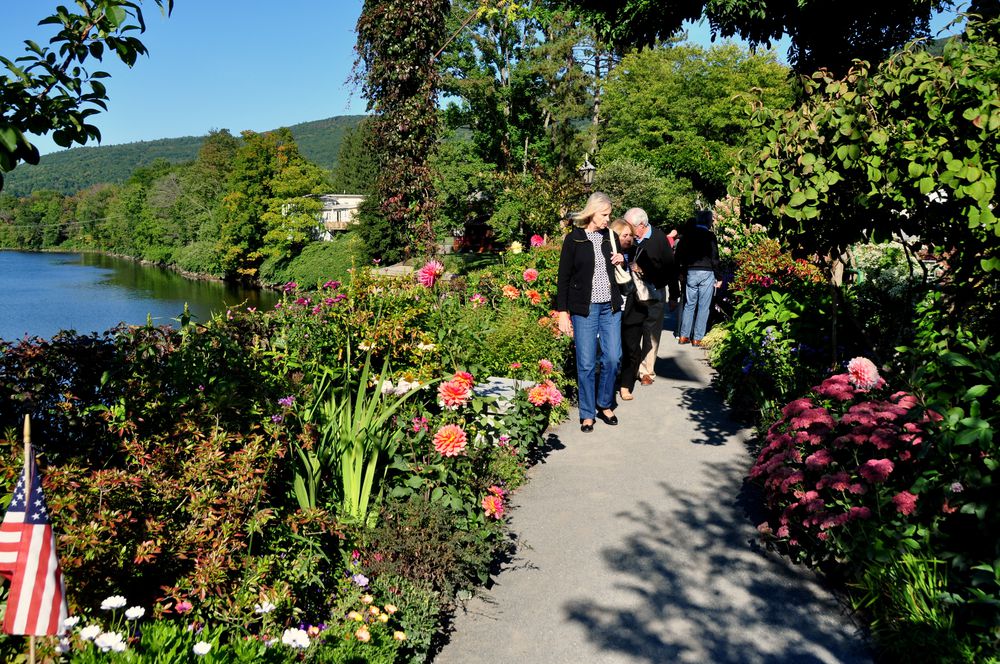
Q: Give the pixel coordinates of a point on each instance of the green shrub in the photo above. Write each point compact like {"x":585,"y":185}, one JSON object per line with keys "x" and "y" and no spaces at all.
{"x":669,"y":201}
{"x":316,"y":264}
{"x":417,"y":539}
{"x":198,"y":257}
{"x":420,"y":614}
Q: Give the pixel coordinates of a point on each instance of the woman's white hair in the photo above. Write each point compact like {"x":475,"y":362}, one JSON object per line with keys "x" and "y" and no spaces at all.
{"x":597,"y":201}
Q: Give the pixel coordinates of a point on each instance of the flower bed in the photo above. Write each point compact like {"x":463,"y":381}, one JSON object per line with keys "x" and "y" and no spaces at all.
{"x":293,"y":474}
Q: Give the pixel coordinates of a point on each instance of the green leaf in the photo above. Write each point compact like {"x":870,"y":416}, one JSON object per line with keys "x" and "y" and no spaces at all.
{"x":975,"y":392}
{"x":8,"y":138}
{"x":956,"y":360}
{"x":798,"y":198}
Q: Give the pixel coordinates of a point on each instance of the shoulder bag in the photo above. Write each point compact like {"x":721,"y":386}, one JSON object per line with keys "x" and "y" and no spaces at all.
{"x":622,"y":276}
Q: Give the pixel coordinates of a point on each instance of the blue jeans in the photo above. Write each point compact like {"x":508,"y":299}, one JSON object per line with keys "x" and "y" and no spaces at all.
{"x":697,"y":294}
{"x":602,"y":328}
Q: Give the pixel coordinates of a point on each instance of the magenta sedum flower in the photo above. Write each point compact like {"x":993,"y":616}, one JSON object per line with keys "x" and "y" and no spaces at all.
{"x":905,"y":502}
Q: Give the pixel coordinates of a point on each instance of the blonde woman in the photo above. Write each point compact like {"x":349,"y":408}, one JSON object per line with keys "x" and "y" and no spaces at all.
{"x":590,"y":305}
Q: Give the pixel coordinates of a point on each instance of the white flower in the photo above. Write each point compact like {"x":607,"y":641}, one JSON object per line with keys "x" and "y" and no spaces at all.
{"x":387,"y":388}
{"x":364,"y":347}
{"x":113,"y":602}
{"x":201,"y":648}
{"x":295,"y":638}
{"x":110,"y":641}
{"x":90,"y":632}
{"x":516,"y":247}
{"x":405,"y":387}
{"x":264,"y":607}
{"x":423,"y":346}
{"x":134,"y":612}
{"x":71,"y":622}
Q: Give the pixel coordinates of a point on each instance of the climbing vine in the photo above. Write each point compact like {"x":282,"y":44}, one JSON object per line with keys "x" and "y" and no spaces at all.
{"x":397,"y":41}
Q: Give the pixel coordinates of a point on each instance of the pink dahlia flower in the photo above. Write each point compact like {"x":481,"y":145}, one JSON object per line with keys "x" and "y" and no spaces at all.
{"x":537,"y":241}
{"x":465,"y":378}
{"x":510,"y":292}
{"x":493,"y":506}
{"x":545,"y":366}
{"x":430,"y":273}
{"x":450,"y":440}
{"x":553,"y":395}
{"x":454,"y":394}
{"x":905,"y":502}
{"x":538,"y":395}
{"x":863,"y":373}
{"x":530,"y":275}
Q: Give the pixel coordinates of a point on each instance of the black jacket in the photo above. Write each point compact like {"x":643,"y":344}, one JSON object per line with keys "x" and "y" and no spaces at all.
{"x":656,"y":260}
{"x":576,"y":273}
{"x":698,"y":250}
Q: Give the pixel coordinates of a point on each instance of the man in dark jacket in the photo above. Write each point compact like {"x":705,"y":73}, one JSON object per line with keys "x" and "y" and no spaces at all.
{"x":655,"y":264}
{"x":698,"y":257}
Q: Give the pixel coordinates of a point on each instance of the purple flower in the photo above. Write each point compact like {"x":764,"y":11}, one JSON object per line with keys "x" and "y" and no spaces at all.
{"x":360,"y":580}
{"x":332,"y":285}
{"x":277,"y":418}
{"x":290,"y":286}
{"x":286,"y":402}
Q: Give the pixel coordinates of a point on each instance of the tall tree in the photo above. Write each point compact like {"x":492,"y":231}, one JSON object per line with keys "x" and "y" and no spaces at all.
{"x":822,"y":35}
{"x":356,"y":170}
{"x":267,"y":207}
{"x":49,"y":90}
{"x":679,"y":110}
{"x":397,"y":43}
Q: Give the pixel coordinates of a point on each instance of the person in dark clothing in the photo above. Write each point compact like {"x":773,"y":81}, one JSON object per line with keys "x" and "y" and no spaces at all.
{"x":698,"y":258}
{"x":655,"y":265}
{"x":633,"y":316}
{"x":589,"y":303}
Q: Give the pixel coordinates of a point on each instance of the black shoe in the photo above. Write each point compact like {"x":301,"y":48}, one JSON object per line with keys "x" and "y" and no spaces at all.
{"x":586,"y":428}
{"x":613,"y":420}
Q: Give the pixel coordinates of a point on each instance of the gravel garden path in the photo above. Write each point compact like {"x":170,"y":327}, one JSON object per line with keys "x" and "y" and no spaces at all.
{"x":634,"y":544}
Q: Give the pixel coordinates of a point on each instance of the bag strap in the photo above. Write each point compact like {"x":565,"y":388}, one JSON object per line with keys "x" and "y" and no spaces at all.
{"x":611,"y":236}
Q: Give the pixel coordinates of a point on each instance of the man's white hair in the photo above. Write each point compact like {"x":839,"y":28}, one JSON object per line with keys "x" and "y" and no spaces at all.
{"x":636,"y":216}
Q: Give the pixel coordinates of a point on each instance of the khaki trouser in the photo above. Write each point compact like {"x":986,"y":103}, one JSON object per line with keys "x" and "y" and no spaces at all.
{"x":651,"y":329}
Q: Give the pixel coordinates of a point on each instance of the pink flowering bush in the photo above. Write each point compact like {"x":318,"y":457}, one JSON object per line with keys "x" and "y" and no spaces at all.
{"x":838,"y":468}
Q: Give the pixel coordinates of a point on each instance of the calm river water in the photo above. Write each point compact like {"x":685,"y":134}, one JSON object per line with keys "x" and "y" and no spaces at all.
{"x":41,"y":294}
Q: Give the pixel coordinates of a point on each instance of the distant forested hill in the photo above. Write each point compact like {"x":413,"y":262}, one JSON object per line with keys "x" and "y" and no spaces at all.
{"x":71,"y":170}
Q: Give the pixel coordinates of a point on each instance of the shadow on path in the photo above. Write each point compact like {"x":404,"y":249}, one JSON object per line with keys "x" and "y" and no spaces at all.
{"x":702,"y":590}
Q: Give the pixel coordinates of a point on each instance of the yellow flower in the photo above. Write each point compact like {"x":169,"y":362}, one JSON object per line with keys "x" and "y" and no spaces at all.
{"x":399,"y":636}
{"x":354,"y":615}
{"x":384,"y":618}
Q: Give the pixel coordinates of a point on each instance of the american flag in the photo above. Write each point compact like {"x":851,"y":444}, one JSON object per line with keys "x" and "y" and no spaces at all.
{"x":36,"y":604}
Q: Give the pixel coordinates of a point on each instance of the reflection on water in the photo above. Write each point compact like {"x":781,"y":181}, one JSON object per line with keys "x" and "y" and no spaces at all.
{"x":41,"y":294}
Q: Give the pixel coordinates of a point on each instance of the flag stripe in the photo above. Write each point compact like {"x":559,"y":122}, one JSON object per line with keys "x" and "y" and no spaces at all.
{"x":36,"y":604}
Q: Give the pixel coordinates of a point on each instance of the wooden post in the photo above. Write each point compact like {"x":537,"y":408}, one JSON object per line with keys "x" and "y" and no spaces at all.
{"x":27,"y":492}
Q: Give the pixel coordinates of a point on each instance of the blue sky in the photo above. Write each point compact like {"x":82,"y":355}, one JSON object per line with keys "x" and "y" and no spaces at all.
{"x":232,"y":64}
